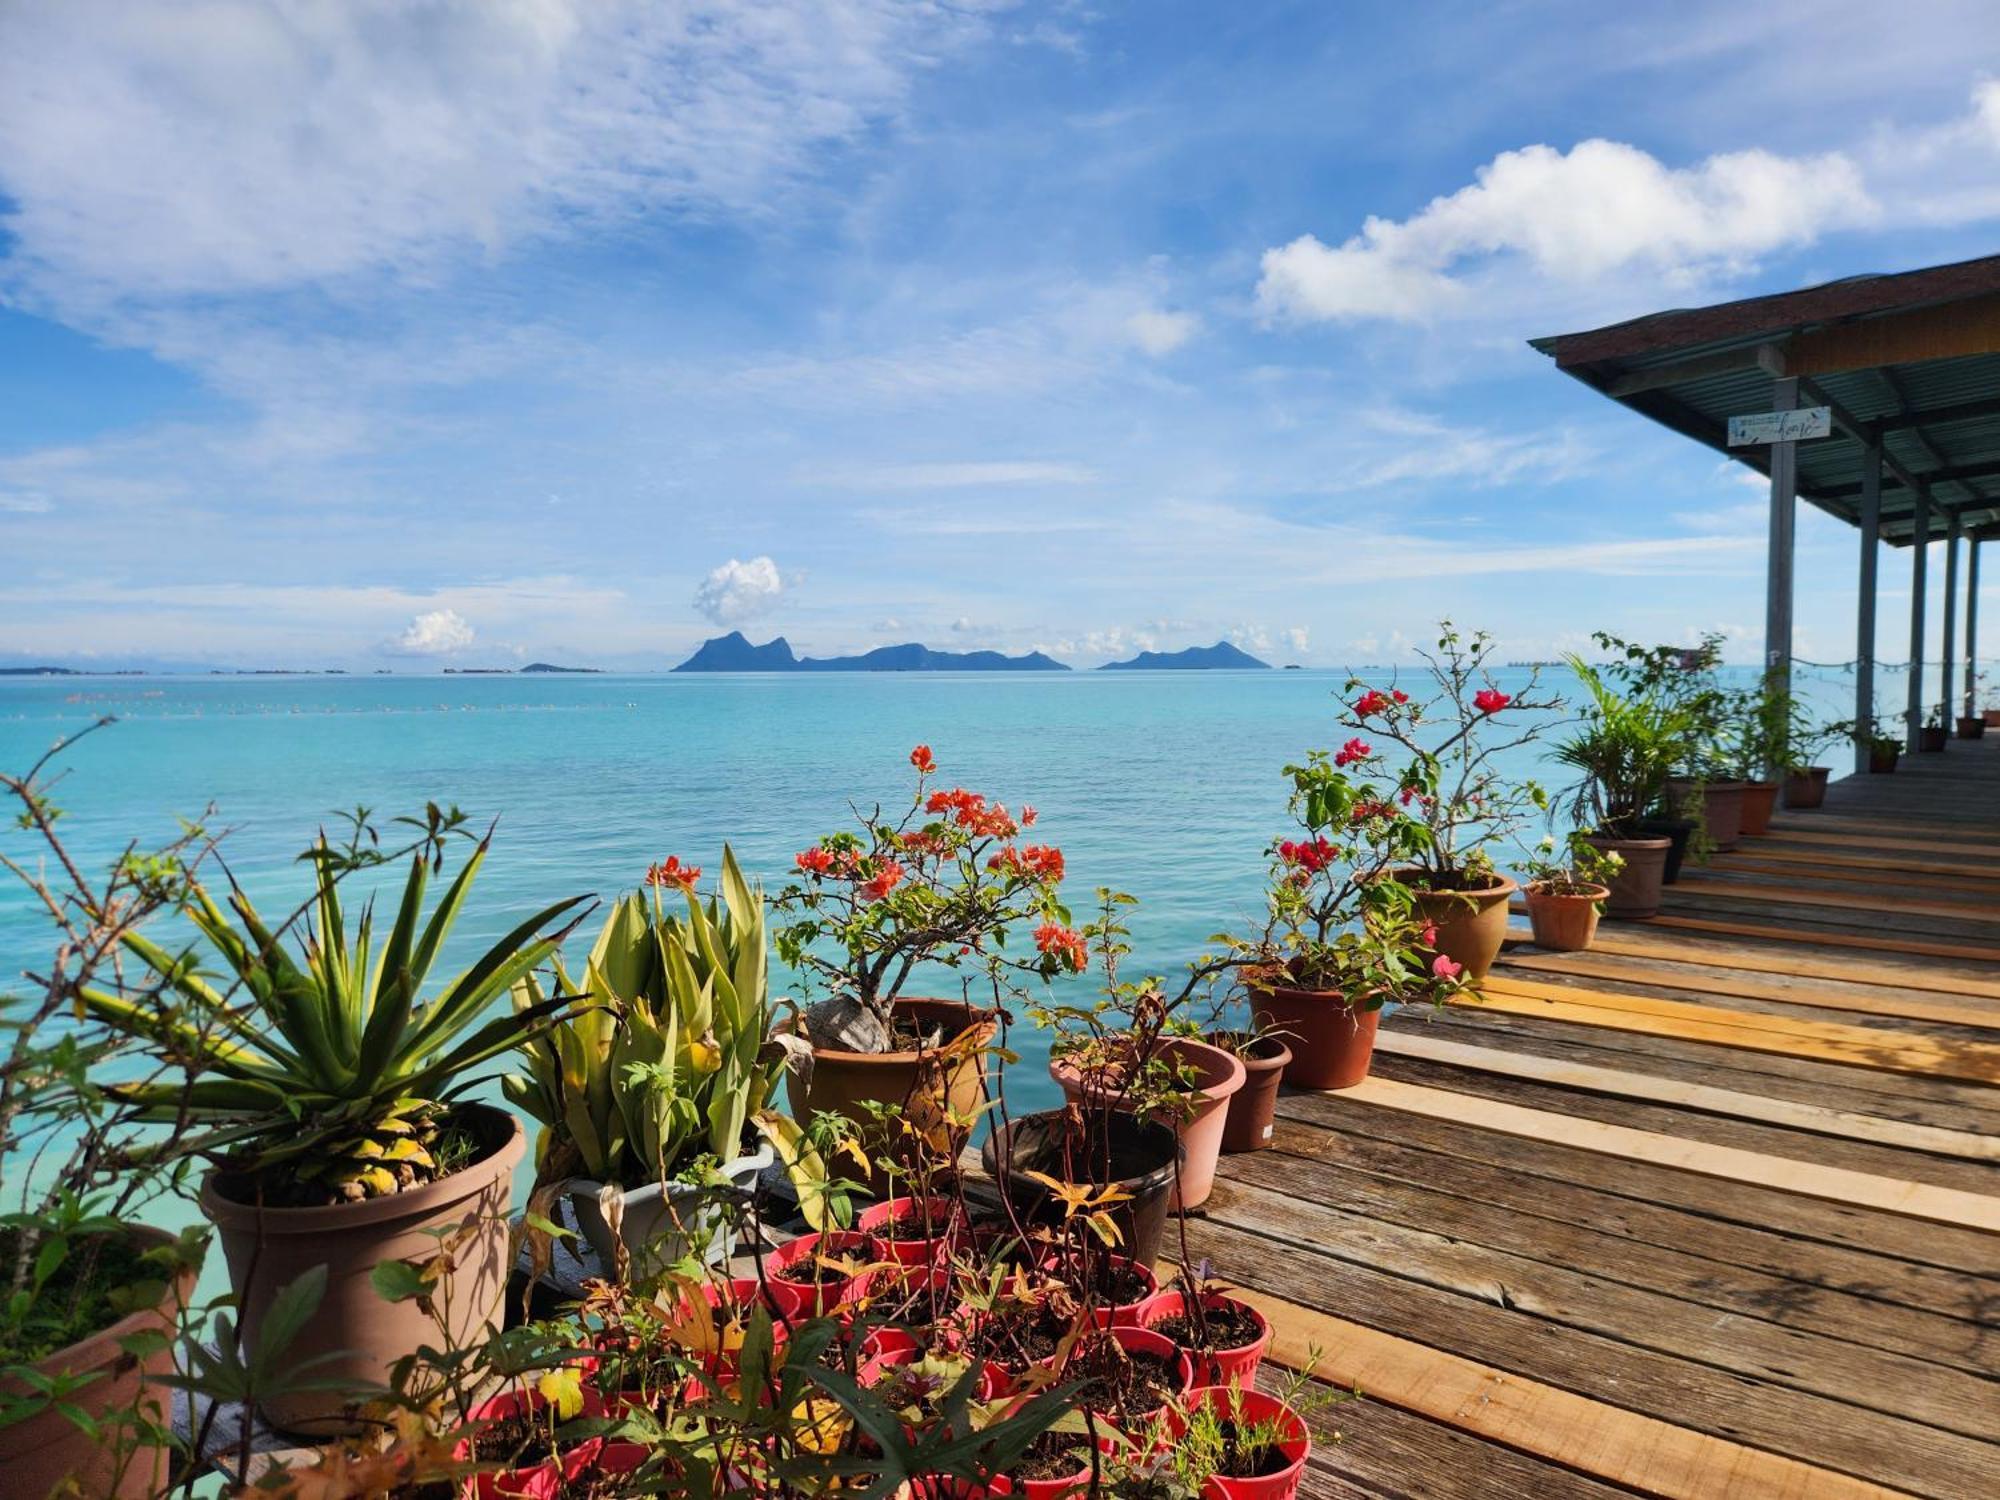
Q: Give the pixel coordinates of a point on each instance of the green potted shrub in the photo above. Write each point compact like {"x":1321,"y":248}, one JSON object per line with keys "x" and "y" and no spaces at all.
{"x":654,"y":1101}
{"x":1625,"y":751}
{"x":1878,"y":737}
{"x":1932,"y":734}
{"x":328,"y":1087}
{"x":1700,"y":807}
{"x":1567,"y":888}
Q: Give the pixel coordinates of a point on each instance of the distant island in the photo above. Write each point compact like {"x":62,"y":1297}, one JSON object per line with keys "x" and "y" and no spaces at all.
{"x":1220,"y":657}
{"x":733,"y":653}
{"x":543,"y":666}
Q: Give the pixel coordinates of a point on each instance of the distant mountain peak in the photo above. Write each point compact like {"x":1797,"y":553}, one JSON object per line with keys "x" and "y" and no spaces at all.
{"x":1222,"y":656}
{"x":733,"y":653}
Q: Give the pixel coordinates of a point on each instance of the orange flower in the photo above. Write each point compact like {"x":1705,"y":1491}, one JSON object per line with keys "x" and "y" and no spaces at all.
{"x":888,"y":875}
{"x":921,"y":759}
{"x":673,"y":872}
{"x":1066,"y":945}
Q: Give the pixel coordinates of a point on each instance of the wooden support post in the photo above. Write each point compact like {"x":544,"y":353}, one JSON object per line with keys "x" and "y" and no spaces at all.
{"x":1864,"y":628}
{"x":1920,"y":536}
{"x":1778,"y":570}
{"x":1972,"y":705}
{"x":1948,"y":655}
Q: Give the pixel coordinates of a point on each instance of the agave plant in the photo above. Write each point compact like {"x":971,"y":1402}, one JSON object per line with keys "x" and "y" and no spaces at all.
{"x":669,"y":1065}
{"x":330,"y":1066}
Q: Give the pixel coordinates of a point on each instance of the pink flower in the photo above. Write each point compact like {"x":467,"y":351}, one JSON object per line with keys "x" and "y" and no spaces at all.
{"x":1444,"y":968}
{"x":1355,"y":749}
{"x":1429,"y":938}
{"x":1490,"y":700}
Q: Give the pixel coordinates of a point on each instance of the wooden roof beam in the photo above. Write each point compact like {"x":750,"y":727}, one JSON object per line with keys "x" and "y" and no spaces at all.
{"x":1769,"y":357}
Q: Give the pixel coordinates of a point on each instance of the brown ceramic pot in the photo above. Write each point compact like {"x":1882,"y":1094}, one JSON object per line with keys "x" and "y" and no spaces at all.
{"x":1970,"y":727}
{"x":1217,"y":1076}
{"x":1562,"y":921}
{"x":1760,"y":799}
{"x":1634,"y":890}
{"x":921,"y":1083}
{"x":1883,"y":762}
{"x":47,"y":1449}
{"x":1247,"y":1126}
{"x":1332,"y":1040}
{"x":1992,"y":717}
{"x":1807,"y":788}
{"x":1722,"y":813}
{"x":271,"y":1247}
{"x":1931,"y":738}
{"x":1471,"y":925}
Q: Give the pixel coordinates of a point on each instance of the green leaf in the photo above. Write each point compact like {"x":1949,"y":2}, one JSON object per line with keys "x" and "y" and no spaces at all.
{"x":288,"y":1313}
{"x":399,"y":1281}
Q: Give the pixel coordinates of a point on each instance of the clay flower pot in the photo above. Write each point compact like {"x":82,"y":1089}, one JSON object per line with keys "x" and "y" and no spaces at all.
{"x":1471,"y":925}
{"x":1678,"y":832}
{"x":1722,"y":813}
{"x":922,"y":1083}
{"x":1332,"y":1039}
{"x":1246,"y":1126}
{"x":364,"y":1332}
{"x":1760,"y":798}
{"x":1217,"y":1076}
{"x":1634,"y":890}
{"x":1807,"y":788}
{"x":1563,"y":921}
{"x":40,"y":1451}
{"x":1931,"y":738}
{"x":1992,"y":717}
{"x":1295,"y":1442}
{"x":1141,"y":1158}
{"x":1971,"y":727}
{"x":1882,"y":762}
{"x":1237,"y":1365}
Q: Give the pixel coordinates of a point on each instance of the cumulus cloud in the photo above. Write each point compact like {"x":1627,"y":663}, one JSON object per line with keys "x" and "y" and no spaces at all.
{"x":1297,"y":638}
{"x":1251,"y":637}
{"x":739,"y":591}
{"x":1159,"y":332}
{"x":1579,"y":215}
{"x":1118,"y":640}
{"x":436,"y":632}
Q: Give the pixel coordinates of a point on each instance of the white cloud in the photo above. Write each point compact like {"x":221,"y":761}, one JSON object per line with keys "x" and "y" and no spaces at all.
{"x":1251,"y":637}
{"x":436,"y":632}
{"x":1297,"y":637}
{"x":1118,"y":641}
{"x":1573,"y":216}
{"x":739,"y":591}
{"x":1159,"y":332}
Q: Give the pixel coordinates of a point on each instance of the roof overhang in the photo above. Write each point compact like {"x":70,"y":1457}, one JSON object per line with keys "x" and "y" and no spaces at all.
{"x":1909,"y":363}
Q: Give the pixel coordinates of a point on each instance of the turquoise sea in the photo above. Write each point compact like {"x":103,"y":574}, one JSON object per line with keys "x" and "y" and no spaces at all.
{"x":1165,"y":785}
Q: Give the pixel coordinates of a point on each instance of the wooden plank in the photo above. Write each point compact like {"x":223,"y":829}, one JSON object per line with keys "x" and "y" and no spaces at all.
{"x":1981,"y":954}
{"x":1778,"y":851}
{"x":1890,"y":1195}
{"x":1856,"y":1046}
{"x":1746,"y":890}
{"x":1632,"y":941}
{"x":1877,"y":833}
{"x":1845,"y":873}
{"x":1709,"y":981}
{"x":1628,"y":1085}
{"x":1623,"y":1447}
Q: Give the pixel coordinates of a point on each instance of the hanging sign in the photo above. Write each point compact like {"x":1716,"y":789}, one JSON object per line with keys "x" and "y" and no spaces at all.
{"x":1781,"y":426}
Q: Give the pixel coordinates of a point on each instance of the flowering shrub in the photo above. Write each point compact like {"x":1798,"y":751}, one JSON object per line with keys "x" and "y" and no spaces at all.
{"x":1572,"y":867}
{"x":1450,"y":802}
{"x":942,"y":884}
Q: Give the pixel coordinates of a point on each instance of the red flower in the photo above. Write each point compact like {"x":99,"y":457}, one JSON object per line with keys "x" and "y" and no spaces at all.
{"x":1355,"y":749}
{"x":1309,"y":858}
{"x":1406,"y":794}
{"x":1027,"y":817}
{"x":1444,"y":968}
{"x":888,"y":875}
{"x":1429,"y":937}
{"x":1490,"y":700}
{"x":1399,"y":695}
{"x":1067,"y":946}
{"x":1371,"y":702}
{"x":921,"y":759}
{"x":1039,"y":861}
{"x":1366,"y":809}
{"x":673,"y":872}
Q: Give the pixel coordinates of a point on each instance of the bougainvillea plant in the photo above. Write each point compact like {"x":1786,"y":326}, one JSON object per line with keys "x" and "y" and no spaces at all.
{"x":944,"y":883}
{"x":1451,"y":801}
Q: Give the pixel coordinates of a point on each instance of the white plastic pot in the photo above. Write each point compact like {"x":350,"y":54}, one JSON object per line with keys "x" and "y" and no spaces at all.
{"x":662,"y":1222}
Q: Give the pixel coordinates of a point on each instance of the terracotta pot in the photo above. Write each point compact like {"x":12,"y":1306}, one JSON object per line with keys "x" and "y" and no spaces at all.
{"x":1295,"y":1441}
{"x":1722,"y":813}
{"x":920,"y":1082}
{"x":41,"y":1451}
{"x":1677,"y":832}
{"x":1807,"y":788}
{"x":1219,"y":1366}
{"x":1883,"y":762}
{"x":1141,"y":1155}
{"x":1931,"y":738}
{"x":1565,"y":922}
{"x":1332,"y":1041}
{"x":1970,"y":728}
{"x":1635,"y":890}
{"x":1471,"y":925}
{"x":1247,"y":1125}
{"x":1992,"y":716}
{"x":1217,"y":1075}
{"x":1760,"y":798}
{"x":367,"y":1333}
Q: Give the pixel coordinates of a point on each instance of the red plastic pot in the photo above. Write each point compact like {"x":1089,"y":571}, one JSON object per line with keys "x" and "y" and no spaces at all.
{"x":1224,"y":1366}
{"x":539,"y":1481}
{"x":945,"y":1220}
{"x":1137,"y":1340}
{"x":1122,"y":1314}
{"x":942,"y":1487}
{"x":1217,"y":1075}
{"x":827,"y":1297}
{"x":1255,"y":1406}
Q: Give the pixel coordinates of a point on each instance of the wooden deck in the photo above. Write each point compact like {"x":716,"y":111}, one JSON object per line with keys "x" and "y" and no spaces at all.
{"x":1712,"y":1210}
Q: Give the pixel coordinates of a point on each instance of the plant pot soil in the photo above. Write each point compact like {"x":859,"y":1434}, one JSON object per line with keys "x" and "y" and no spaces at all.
{"x":1128,"y":1374}
{"x":921,"y":1082}
{"x":1678,"y":832}
{"x":1332,"y":1041}
{"x":802,"y":1264}
{"x":1122,"y":1289}
{"x":365,"y":1332}
{"x":1971,"y":728}
{"x":1237,"y":1337}
{"x":1634,"y":890}
{"x":1565,"y":922}
{"x":1055,"y":1466}
{"x":1266,"y":1478}
{"x":1141,"y":1154}
{"x":1807,"y":788}
{"x":1471,"y":923}
{"x":41,"y":1451}
{"x":1218,"y":1075}
{"x":1246,"y":1125}
{"x":1722,"y":813}
{"x":1760,"y":799}
{"x":1883,"y":762}
{"x":1931,"y":738}
{"x":911,"y":1231}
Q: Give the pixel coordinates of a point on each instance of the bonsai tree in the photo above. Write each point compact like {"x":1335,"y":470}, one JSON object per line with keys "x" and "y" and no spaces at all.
{"x":944,"y":883}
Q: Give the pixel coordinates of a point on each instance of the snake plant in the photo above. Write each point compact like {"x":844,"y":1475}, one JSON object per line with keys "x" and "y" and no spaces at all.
{"x":328,"y":1066}
{"x":668,"y":1067}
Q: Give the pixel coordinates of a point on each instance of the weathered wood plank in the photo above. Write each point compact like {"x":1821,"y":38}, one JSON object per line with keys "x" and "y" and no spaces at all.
{"x":1981,"y":953}
{"x":1701,"y":883}
{"x":1633,"y":940}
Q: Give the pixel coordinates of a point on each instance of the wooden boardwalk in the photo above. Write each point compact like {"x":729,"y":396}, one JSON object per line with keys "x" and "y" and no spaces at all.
{"x":1712,"y":1210}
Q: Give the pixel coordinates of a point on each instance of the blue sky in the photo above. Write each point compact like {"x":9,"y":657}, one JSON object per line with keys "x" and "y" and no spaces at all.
{"x":418,"y":334}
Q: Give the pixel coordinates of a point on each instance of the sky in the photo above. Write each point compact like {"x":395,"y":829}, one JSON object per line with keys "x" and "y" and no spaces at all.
{"x":475,"y":332}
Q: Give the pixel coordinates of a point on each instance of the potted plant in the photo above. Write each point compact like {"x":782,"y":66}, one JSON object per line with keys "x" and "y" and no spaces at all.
{"x":1878,"y":737}
{"x":1625,"y":751}
{"x":327,"y":1086}
{"x":1252,"y":1108}
{"x":940,"y":886}
{"x":1452,"y":800}
{"x":1224,"y":1336}
{"x":1699,"y":808}
{"x":1567,"y":888}
{"x":655,"y":1101}
{"x":1242,"y":1444}
{"x":1931,"y":736}
{"x":1805,"y":781}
